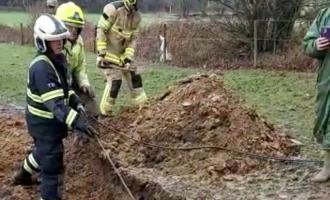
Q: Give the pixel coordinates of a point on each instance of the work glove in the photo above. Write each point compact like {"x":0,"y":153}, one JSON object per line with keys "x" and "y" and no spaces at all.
{"x":81,"y":109}
{"x":126,"y":61}
{"x":87,"y":90}
{"x":80,"y":138}
{"x":104,"y":63}
{"x":83,"y":126}
{"x":102,"y":53}
{"x":129,"y":67}
{"x":100,"y":61}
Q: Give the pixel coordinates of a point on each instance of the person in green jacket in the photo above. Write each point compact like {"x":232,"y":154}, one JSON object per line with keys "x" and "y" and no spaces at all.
{"x":73,"y":18}
{"x":318,"y":47}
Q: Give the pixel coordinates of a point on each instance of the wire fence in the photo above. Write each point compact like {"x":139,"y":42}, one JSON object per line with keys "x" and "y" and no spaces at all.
{"x":266,"y":36}
{"x":277,"y":38}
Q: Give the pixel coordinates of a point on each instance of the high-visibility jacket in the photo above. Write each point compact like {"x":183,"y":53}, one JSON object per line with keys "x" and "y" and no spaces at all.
{"x":75,"y":55}
{"x":50,"y":101}
{"x":117,"y":32}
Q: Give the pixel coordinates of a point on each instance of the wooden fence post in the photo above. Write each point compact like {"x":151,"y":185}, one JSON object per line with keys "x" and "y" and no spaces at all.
{"x":165,"y":42}
{"x":275,"y":38}
{"x":22,"y":33}
{"x":94,"y":41}
{"x":255,"y":42}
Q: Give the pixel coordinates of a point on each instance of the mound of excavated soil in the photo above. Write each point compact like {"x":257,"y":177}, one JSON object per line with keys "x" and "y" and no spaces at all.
{"x":87,"y":177}
{"x":196,"y":111}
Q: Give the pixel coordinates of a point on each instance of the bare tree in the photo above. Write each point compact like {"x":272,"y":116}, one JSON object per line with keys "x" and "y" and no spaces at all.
{"x":185,"y":7}
{"x":275,"y":20}
{"x":203,"y":6}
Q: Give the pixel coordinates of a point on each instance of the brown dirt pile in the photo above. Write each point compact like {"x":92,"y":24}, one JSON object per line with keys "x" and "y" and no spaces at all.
{"x":87,"y":177}
{"x":197,"y":111}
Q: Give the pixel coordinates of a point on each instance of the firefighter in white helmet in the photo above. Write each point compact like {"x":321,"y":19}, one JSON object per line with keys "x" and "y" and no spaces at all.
{"x":52,"y":108}
{"x":116,"y":41}
{"x":74,"y":20}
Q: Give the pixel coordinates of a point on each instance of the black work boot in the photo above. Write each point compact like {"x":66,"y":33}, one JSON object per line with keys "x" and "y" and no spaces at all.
{"x":22,"y":177}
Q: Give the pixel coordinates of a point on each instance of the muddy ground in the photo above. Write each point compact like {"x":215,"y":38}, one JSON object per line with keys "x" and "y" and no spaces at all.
{"x":197,"y":111}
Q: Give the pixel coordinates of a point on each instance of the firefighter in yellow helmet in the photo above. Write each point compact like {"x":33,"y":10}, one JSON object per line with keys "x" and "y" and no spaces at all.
{"x":116,"y":40}
{"x":73,"y":18}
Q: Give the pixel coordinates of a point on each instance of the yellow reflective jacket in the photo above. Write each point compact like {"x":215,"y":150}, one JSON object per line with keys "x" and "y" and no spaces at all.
{"x":75,"y":55}
{"x":117,"y":33}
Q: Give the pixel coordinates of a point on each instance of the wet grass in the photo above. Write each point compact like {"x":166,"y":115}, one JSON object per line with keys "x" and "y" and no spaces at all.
{"x":14,"y":18}
{"x":15,"y":60}
{"x":284,"y":98}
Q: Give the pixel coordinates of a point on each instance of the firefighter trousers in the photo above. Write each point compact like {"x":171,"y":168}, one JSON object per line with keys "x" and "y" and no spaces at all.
{"x":47,"y":158}
{"x":113,"y":84}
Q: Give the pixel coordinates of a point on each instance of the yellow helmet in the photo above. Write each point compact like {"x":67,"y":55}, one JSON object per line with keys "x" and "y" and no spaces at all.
{"x":130,"y":4}
{"x":71,"y":14}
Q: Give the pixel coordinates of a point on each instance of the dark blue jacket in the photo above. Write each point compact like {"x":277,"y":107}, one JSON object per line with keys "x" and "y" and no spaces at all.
{"x":51,"y":103}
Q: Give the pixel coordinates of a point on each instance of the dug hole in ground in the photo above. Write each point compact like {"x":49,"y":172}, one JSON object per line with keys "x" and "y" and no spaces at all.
{"x":196,"y":111}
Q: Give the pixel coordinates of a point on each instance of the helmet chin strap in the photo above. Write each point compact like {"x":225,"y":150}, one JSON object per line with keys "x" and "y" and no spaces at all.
{"x":65,"y":49}
{"x":131,"y":8}
{"x":41,"y":44}
{"x":135,"y":7}
{"x":78,"y":33}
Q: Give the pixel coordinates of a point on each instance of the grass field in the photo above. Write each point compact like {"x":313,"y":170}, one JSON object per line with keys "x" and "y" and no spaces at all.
{"x":284,"y":98}
{"x":14,"y":18}
{"x":15,"y":59}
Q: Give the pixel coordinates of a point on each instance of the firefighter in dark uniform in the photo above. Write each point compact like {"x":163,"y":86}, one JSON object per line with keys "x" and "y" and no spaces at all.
{"x":52,"y":109}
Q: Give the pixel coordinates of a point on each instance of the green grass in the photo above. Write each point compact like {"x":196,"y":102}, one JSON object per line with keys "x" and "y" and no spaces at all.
{"x":147,"y":18}
{"x":13,"y":65}
{"x":284,"y":98}
{"x":15,"y":59}
{"x":14,"y":18}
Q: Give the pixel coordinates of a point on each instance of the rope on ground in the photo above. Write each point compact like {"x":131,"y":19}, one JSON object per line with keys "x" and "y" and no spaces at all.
{"x":11,"y":109}
{"x":173,"y":147}
{"x":114,"y":167}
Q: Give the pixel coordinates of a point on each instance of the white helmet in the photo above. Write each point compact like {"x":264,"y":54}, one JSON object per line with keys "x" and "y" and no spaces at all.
{"x":48,"y":28}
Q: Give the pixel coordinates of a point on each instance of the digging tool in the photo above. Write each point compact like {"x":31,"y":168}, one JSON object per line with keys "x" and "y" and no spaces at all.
{"x":107,"y":65}
{"x":99,"y":141}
